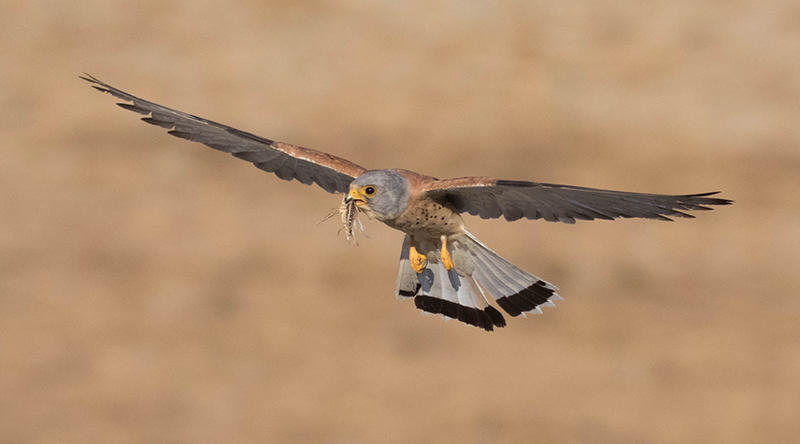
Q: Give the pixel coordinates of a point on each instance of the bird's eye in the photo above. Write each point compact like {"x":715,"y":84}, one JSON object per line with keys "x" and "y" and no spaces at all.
{"x":369,"y":191}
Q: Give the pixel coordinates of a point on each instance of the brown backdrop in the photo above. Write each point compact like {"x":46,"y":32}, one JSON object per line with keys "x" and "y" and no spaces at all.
{"x":153,"y":290}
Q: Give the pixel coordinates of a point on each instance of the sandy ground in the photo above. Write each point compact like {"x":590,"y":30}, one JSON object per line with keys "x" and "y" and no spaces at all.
{"x":154,"y":290}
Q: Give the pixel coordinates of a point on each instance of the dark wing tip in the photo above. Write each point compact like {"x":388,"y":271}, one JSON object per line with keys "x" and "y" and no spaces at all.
{"x":94,"y":81}
{"x":703,"y":199}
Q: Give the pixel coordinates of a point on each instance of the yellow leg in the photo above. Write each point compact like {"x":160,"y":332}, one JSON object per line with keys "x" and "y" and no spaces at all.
{"x":418,"y":261}
{"x":445,"y":255}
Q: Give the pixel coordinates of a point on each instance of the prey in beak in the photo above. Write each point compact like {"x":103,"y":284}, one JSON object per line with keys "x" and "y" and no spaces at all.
{"x":348,"y":210}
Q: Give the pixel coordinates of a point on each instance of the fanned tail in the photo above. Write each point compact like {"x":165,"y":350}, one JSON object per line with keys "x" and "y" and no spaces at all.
{"x":464,"y":292}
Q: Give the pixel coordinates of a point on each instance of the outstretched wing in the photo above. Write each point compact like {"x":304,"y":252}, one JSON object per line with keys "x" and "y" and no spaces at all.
{"x":288,"y":162}
{"x":491,"y":198}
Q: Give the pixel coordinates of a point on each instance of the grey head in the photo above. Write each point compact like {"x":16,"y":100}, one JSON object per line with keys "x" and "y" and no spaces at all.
{"x":385,"y":193}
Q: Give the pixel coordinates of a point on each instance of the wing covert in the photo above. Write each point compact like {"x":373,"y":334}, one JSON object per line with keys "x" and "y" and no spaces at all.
{"x":287,"y":161}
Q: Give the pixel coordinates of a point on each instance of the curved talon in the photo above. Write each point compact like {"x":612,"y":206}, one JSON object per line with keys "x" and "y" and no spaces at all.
{"x":418,"y":261}
{"x":444,"y":256}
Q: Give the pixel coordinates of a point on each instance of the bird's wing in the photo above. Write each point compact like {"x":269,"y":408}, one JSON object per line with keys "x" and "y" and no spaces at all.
{"x":288,"y":162}
{"x":493,"y":198}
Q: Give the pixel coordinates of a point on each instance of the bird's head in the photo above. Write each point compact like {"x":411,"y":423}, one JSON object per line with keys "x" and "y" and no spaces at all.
{"x":383,"y":194}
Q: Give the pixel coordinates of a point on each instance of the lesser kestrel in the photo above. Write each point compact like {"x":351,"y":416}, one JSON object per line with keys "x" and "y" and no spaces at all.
{"x":442,"y":265}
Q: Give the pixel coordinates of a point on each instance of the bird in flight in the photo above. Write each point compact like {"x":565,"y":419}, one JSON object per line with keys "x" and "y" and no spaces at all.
{"x":443,"y":267}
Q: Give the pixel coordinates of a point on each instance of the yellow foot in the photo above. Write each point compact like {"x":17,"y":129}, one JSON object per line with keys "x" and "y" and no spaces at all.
{"x":444,"y":256}
{"x":418,"y":261}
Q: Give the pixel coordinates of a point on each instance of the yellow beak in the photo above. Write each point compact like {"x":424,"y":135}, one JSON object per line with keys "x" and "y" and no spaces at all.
{"x":353,"y":194}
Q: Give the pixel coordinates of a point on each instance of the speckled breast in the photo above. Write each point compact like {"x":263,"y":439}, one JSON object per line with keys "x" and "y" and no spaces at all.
{"x":428,"y":218}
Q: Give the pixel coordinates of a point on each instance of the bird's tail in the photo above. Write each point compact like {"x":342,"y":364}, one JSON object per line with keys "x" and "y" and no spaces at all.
{"x":479,"y":275}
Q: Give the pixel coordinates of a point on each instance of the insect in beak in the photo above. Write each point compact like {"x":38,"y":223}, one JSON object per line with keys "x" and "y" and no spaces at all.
{"x":348,"y":210}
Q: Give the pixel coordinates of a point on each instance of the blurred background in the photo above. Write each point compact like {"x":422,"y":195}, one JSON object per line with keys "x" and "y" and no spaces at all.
{"x":155,"y":290}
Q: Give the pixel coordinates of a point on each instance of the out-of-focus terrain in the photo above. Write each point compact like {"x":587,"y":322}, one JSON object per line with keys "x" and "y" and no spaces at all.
{"x":154,"y":290}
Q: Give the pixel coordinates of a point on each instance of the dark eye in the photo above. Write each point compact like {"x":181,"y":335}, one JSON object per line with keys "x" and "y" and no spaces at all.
{"x":370,"y":191}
